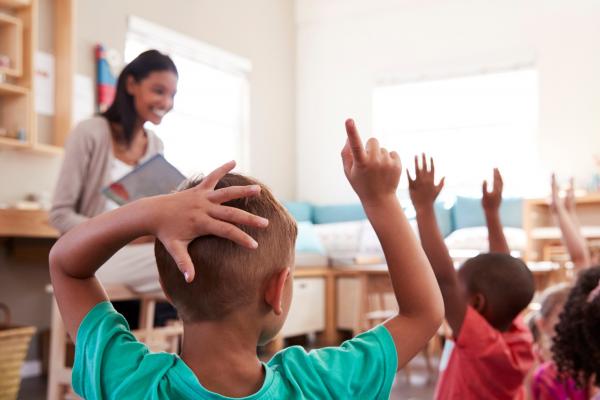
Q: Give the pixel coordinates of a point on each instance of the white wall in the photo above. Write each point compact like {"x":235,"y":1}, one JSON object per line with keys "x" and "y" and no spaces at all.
{"x":259,"y":30}
{"x":345,"y":46}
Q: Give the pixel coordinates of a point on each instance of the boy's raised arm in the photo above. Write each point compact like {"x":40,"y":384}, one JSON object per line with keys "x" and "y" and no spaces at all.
{"x":175,"y":219}
{"x":423,"y":192}
{"x":491,"y":206}
{"x":374,"y":174}
{"x":566,"y":217}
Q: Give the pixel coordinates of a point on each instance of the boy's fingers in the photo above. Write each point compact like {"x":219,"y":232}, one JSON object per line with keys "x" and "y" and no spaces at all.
{"x":211,"y":180}
{"x":424,"y":162}
{"x":179,"y":252}
{"x":417,"y":170}
{"x":431,"y":165}
{"x":498,"y":182}
{"x":373,"y":148}
{"x":441,"y":184}
{"x":411,"y":181}
{"x":237,"y":216}
{"x":231,"y":232}
{"x":347,"y":156}
{"x":484,"y":188}
{"x":233,"y":192}
{"x":384,"y":154}
{"x":354,"y":141}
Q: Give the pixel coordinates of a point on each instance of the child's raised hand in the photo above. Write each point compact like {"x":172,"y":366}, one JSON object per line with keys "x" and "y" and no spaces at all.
{"x":555,"y":201}
{"x":422,"y":189}
{"x":373,"y":172}
{"x":183,"y":216}
{"x":491,"y":200}
{"x":570,"y":195}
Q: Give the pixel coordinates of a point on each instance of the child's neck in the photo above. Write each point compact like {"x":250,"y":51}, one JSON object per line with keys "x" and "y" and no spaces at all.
{"x":222,"y":355}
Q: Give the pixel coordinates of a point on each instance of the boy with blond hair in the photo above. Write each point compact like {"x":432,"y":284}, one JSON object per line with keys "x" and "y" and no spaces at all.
{"x":492,"y":348}
{"x":225,"y":251}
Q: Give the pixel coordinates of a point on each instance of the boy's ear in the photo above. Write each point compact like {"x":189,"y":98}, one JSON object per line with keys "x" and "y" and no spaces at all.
{"x":162,"y":286}
{"x":275,"y":290}
{"x":478,"y":302}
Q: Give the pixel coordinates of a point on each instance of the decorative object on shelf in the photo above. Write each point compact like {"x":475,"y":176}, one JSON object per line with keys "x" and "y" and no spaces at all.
{"x":105,"y":77}
{"x":4,"y":61}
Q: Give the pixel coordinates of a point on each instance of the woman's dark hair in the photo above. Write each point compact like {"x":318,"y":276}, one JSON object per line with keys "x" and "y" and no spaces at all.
{"x":122,"y":110}
{"x":576,"y":345}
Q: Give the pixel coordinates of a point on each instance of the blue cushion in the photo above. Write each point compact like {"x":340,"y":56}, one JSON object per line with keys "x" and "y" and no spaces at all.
{"x":443,"y":215}
{"x":511,"y":212}
{"x":308,"y":240}
{"x":301,"y":211}
{"x":468,"y":212}
{"x":338,"y":213}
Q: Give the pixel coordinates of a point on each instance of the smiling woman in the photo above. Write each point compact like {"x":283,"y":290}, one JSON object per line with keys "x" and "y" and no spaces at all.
{"x":102,"y":149}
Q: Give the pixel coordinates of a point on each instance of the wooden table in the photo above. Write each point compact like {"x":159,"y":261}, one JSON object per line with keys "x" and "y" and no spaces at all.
{"x":16,"y":223}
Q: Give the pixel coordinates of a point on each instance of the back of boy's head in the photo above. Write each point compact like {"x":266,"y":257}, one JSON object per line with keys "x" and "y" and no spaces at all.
{"x":505,"y":282}
{"x":576,"y":344}
{"x":551,"y":301}
{"x":229,"y":276}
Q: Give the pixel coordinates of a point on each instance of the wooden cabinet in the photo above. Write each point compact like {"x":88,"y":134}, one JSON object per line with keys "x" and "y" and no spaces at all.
{"x":543,"y":234}
{"x":18,"y":44}
{"x":307,"y":311}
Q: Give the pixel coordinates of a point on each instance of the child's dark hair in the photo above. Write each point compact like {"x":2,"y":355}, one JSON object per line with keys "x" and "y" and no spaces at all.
{"x":505,"y":282}
{"x":576,"y":345}
{"x":122,"y":110}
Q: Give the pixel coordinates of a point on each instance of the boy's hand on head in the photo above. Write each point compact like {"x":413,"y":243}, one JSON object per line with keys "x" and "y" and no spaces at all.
{"x":373,"y":172}
{"x":181,"y":217}
{"x":491,"y":200}
{"x":422,"y":189}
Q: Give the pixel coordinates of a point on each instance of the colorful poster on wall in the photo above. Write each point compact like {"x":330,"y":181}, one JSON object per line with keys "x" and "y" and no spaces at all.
{"x":105,"y":77}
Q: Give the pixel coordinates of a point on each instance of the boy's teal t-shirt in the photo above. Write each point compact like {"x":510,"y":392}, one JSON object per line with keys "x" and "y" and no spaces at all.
{"x":111,"y":364}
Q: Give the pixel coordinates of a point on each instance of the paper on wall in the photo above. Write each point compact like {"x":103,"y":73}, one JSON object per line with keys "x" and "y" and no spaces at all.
{"x":44,"y":83}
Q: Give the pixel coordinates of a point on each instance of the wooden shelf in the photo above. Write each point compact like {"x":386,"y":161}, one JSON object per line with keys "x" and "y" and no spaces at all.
{"x":9,"y":19}
{"x":589,"y":198}
{"x":47,"y":149}
{"x":11,"y":44}
{"x":15,"y":3}
{"x":10,"y":89}
{"x":14,"y":143}
{"x":541,"y":227}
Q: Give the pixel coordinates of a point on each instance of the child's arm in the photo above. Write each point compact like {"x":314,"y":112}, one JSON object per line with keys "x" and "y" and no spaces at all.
{"x":491,"y":206}
{"x":374,"y":174}
{"x":423,"y":192}
{"x":567,"y":222}
{"x":175,"y":219}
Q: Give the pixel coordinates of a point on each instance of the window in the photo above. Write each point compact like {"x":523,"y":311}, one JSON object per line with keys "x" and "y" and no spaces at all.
{"x":469,"y":125}
{"x":209,"y":122}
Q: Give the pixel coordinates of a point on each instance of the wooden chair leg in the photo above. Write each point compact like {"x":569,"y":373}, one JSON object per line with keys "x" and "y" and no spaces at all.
{"x":57,"y":361}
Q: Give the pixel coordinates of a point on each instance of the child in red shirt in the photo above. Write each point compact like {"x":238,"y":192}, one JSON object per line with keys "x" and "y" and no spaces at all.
{"x":492,"y":349}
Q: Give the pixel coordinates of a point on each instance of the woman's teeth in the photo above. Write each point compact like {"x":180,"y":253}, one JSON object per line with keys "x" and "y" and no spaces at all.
{"x":158,"y":112}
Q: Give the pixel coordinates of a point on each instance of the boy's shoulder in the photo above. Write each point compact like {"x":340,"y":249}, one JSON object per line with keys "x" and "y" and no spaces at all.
{"x":362,"y":367}
{"x":476,"y":332}
{"x":110,"y":360}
